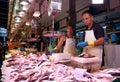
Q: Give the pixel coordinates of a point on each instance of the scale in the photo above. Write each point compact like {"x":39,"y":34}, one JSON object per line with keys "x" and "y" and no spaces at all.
{"x":54,"y":9}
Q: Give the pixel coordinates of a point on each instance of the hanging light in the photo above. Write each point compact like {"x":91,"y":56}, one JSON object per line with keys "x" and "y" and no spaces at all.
{"x":18,"y":20}
{"x":36,"y":10}
{"x":30,"y":0}
{"x":36,"y":14}
{"x":24,"y":2}
{"x":25,"y":7}
{"x":17,"y":17}
{"x":21,"y":13}
{"x":27,"y":23}
{"x":97,"y":1}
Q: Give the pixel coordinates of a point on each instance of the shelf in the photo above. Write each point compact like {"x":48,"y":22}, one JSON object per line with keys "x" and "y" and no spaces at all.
{"x":113,"y":32}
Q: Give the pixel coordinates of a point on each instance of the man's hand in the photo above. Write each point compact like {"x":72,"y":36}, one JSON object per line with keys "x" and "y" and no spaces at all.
{"x":83,"y":44}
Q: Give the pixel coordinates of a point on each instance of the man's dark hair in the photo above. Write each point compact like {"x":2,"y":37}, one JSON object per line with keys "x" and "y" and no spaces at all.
{"x":69,"y":25}
{"x":88,"y":12}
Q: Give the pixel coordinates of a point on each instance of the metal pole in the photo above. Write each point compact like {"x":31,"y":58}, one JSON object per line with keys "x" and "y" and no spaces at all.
{"x":53,"y":22}
{"x":72,"y":14}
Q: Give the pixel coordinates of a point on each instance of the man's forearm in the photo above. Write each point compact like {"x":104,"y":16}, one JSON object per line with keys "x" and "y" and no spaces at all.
{"x":99,"y":42}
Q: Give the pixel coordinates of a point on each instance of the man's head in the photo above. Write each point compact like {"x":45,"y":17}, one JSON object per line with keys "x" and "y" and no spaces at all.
{"x":69,"y":29}
{"x":87,"y":18}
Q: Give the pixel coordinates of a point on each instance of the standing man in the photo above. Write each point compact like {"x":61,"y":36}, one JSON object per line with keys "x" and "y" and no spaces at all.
{"x":93,"y":39}
{"x":68,"y":41}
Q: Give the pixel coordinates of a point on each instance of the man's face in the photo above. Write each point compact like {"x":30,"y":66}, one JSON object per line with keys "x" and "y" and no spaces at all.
{"x":87,"y":19}
{"x":69,"y":30}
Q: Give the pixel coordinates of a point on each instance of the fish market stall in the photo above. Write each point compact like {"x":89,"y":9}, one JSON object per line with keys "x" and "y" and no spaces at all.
{"x":35,"y":68}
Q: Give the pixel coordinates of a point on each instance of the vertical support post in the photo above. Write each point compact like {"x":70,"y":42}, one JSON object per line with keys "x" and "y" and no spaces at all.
{"x":53,"y":22}
{"x":72,"y":15}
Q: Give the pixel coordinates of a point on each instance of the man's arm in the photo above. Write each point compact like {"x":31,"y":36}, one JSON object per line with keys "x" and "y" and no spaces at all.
{"x":99,"y":41}
{"x":62,"y":39}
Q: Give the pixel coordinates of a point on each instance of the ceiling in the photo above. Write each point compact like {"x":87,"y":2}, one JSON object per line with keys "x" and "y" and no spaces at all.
{"x":4,"y":4}
{"x":45,"y":20}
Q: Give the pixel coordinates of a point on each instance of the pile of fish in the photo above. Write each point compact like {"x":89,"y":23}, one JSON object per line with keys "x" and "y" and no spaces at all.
{"x":32,"y":68}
